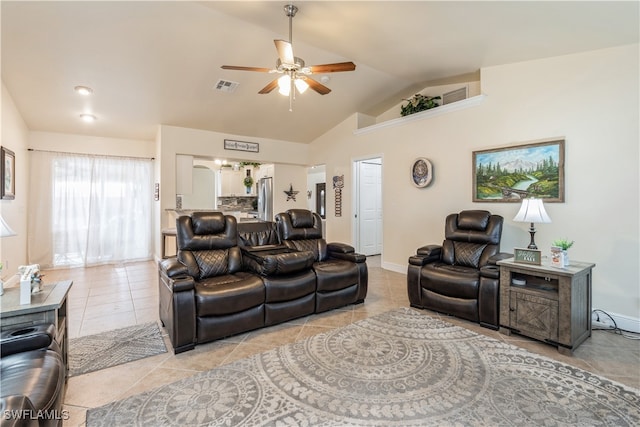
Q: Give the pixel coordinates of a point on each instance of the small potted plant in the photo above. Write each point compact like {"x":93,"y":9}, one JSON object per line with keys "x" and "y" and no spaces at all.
{"x":419,"y":102}
{"x":559,"y":254}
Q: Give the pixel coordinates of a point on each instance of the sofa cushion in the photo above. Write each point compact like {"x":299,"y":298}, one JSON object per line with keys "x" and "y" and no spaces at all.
{"x":468,"y":254}
{"x":335,"y":274}
{"x":229,"y":293}
{"x":451,"y":280}
{"x":212,"y":263}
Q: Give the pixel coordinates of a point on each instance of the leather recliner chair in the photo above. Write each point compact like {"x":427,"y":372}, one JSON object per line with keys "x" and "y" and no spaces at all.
{"x":460,"y":277}
{"x":32,"y":377}
{"x":204,"y":294}
{"x":341,"y":273}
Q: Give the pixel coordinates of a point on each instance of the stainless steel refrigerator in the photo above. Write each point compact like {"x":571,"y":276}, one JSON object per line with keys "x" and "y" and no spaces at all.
{"x":265,"y":199}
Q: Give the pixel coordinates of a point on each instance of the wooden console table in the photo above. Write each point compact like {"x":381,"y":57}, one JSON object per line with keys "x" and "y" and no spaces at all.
{"x":550,"y":304}
{"x":47,"y":306}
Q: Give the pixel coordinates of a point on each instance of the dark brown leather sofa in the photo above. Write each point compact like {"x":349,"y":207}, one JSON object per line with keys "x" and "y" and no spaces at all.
{"x":32,"y":377}
{"x":225,"y":280}
{"x":460,"y":277}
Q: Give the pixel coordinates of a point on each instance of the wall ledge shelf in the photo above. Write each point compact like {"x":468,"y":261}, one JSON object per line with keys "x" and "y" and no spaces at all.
{"x":443,"y":109}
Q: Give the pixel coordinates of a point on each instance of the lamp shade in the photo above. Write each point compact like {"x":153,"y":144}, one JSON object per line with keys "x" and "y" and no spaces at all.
{"x":532,"y":210}
{"x":5,"y":230}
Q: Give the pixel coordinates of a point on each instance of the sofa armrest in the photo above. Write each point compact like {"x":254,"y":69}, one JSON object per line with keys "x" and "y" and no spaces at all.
{"x":426,"y":254}
{"x":345,"y":252}
{"x":26,"y":339}
{"x":272,"y":263}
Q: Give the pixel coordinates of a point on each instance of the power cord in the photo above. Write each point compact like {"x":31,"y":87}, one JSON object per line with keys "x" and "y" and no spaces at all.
{"x":615,"y":329}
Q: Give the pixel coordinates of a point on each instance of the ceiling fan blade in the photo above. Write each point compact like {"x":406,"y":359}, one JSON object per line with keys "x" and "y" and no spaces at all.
{"x":317,"y":86}
{"x":285,"y":51}
{"x":234,"y":67}
{"x":268,"y":88}
{"x":333,"y":68}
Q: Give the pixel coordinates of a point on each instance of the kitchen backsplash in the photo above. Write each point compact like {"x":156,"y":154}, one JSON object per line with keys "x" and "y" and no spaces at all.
{"x":237,"y":203}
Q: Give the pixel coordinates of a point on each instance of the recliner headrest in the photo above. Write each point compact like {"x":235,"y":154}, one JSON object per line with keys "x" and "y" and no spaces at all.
{"x":473,"y":220}
{"x":301,"y":218}
{"x":207,"y":222}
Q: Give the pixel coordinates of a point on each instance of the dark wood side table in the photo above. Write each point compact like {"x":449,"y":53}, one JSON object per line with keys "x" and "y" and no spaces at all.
{"x":548,"y":303}
{"x":47,"y":306}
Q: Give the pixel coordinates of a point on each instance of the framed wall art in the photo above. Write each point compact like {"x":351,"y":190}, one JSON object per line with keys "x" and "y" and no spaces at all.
{"x":513,"y":173}
{"x":8,"y":172}
{"x":421,"y":172}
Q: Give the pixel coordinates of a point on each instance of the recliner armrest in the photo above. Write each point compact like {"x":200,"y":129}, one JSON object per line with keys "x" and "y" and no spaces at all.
{"x":342,"y":248}
{"x":171,"y":267}
{"x":26,"y":339}
{"x":426,"y":254}
{"x":493,"y":260}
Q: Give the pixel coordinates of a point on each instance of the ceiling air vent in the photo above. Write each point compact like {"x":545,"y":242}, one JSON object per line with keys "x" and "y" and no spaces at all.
{"x":454,"y":95}
{"x":226,"y":86}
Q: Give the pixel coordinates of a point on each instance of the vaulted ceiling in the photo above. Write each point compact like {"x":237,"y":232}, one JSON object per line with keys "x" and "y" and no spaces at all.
{"x":152,"y":63}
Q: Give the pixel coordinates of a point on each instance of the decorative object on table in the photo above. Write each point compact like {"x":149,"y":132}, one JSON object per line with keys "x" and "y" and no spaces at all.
{"x":527,"y":256}
{"x":27,"y":273}
{"x":513,"y":173}
{"x":338,"y":184}
{"x":532,"y":211}
{"x":559,"y":254}
{"x":421,"y":172}
{"x":5,"y":231}
{"x":8,"y":172}
{"x":36,"y":282}
{"x":291,"y":193}
{"x":419,"y":102}
{"x":252,"y":147}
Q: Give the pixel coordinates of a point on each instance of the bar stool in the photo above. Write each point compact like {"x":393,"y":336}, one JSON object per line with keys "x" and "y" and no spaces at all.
{"x":166,"y":232}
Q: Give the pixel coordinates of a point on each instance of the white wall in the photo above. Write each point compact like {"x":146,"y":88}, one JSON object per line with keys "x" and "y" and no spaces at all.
{"x":13,"y":250}
{"x":285,"y":176}
{"x":201,"y":143}
{"x":590,"y":99}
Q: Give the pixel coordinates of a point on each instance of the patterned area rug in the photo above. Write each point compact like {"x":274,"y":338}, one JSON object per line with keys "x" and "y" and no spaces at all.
{"x":398,"y":368}
{"x":94,"y":352}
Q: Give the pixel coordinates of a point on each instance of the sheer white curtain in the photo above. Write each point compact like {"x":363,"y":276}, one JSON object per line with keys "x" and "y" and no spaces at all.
{"x":88,"y":210}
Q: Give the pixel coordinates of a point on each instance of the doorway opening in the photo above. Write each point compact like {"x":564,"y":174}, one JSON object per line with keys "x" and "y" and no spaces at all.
{"x":367,"y":221}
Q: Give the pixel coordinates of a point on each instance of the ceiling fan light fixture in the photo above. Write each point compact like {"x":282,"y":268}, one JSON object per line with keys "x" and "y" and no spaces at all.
{"x":301,"y":85}
{"x":284,"y":85}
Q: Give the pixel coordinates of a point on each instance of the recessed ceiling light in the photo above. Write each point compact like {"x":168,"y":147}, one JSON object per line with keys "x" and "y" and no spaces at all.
{"x":83,"y":90}
{"x":89,"y":118}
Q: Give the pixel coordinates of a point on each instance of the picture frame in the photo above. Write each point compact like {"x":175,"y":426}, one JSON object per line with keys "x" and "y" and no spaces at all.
{"x":512,"y":173}
{"x":527,"y":256}
{"x":252,"y":147}
{"x":421,"y":172}
{"x":8,"y":172}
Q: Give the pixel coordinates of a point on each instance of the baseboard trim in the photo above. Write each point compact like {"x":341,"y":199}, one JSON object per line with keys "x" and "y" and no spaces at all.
{"x":398,"y":268}
{"x":623,"y":322}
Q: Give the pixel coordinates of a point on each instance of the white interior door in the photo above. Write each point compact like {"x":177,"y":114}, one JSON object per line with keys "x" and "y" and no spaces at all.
{"x":368,"y":217}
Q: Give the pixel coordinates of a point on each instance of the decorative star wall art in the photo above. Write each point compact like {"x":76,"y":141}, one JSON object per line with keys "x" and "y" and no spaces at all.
{"x":291,"y":193}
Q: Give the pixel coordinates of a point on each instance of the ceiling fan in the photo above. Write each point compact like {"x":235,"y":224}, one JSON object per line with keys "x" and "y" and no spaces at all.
{"x":295,"y":74}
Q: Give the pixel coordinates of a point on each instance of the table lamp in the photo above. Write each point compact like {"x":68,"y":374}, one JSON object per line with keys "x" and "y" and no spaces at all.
{"x":532,"y":211}
{"x":5,"y":231}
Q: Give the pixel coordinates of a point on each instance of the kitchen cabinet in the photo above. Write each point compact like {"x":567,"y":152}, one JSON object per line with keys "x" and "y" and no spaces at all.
{"x":231,"y":183}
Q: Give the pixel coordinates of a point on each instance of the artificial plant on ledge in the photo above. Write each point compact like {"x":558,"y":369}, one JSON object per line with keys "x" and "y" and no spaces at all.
{"x":419,"y":102}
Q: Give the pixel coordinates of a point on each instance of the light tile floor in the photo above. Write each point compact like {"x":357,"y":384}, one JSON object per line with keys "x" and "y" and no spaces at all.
{"x":110,"y":297}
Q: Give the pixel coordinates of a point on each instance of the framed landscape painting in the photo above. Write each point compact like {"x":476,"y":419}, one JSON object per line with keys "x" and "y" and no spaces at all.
{"x":513,"y":173}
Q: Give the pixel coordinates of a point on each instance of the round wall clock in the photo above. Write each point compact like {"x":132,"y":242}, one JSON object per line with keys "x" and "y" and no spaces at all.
{"x":421,"y":172}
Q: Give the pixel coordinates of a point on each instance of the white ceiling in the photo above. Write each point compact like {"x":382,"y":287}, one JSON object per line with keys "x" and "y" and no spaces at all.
{"x":153,"y":63}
